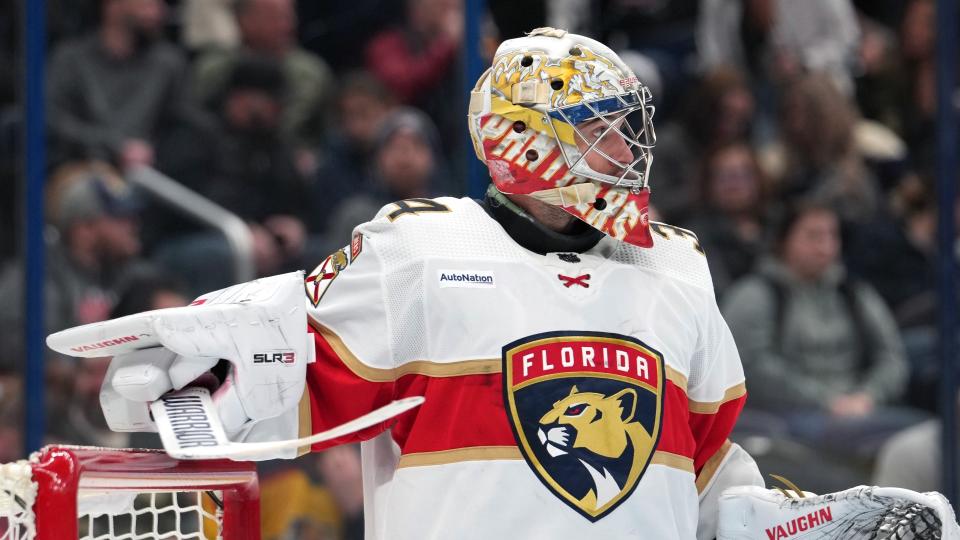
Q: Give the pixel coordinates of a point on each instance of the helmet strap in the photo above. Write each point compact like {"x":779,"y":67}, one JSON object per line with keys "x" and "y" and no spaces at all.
{"x":499,"y":198}
{"x":573,"y":195}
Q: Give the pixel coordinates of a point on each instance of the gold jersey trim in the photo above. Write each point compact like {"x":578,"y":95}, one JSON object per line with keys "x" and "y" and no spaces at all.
{"x":417,"y":367}
{"x":456,"y":455}
{"x":711,"y":407}
{"x":711,"y":466}
{"x":490,"y":453}
{"x":678,"y":379}
{"x":305,"y":421}
{"x":674,"y":461}
{"x":481,"y":367}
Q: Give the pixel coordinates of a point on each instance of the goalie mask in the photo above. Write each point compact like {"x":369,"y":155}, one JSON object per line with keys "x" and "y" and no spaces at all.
{"x":562,"y":118}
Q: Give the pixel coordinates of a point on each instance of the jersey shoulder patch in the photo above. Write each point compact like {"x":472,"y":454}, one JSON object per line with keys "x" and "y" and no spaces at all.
{"x":320,"y":279}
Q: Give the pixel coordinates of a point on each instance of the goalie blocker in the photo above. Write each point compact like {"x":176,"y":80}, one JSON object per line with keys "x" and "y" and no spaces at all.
{"x":750,"y":512}
{"x":260,"y":328}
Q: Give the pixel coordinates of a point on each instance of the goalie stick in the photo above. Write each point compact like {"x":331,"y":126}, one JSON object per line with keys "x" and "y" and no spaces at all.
{"x":191,"y":429}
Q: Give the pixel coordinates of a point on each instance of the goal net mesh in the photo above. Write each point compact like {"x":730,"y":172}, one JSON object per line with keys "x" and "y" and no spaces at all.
{"x":126,"y":495}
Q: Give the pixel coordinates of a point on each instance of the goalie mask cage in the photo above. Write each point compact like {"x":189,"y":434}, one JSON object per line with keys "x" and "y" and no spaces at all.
{"x":66,"y":492}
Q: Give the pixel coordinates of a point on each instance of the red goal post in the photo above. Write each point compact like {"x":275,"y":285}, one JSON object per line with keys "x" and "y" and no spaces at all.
{"x":65,"y":492}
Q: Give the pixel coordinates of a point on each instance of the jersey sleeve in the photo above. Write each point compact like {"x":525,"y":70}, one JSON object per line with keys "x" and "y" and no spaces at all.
{"x":714,"y":384}
{"x":716,"y":391}
{"x":348,"y":321}
{"x":716,"y":395}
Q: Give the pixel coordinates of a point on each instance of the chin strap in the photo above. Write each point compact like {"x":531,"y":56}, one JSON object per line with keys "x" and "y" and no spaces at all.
{"x":576,"y":194}
{"x":502,"y":200}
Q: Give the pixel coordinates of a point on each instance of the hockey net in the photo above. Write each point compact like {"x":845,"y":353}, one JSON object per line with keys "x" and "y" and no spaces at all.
{"x":65,"y":492}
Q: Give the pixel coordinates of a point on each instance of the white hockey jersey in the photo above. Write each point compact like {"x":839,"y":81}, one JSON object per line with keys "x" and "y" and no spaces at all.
{"x":568,"y":395}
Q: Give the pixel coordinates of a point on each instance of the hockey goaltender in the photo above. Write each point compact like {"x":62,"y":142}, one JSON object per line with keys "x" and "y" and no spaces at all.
{"x":524,"y":434}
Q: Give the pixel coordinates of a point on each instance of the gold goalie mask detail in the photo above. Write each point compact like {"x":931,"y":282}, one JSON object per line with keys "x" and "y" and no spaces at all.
{"x":562,"y":118}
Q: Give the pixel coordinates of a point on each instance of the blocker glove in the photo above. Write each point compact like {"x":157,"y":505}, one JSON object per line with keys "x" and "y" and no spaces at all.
{"x":259,"y":328}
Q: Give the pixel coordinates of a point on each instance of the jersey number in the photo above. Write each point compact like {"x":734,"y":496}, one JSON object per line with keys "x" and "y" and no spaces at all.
{"x":669,"y":231}
{"x":415,"y":206}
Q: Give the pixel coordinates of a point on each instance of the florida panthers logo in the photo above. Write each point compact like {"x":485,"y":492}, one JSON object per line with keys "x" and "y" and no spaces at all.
{"x":585,"y":409}
{"x":599,"y":431}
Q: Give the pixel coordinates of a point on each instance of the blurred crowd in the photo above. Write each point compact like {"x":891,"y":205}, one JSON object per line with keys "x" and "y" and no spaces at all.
{"x":796,"y":139}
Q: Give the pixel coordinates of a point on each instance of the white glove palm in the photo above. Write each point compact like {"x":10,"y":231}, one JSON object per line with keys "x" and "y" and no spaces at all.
{"x":259,"y":327}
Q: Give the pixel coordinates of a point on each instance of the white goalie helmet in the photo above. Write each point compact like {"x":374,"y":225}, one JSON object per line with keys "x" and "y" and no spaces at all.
{"x":561,"y":117}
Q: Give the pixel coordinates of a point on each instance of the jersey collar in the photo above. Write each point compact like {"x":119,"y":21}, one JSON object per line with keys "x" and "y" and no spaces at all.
{"x":533,"y":236}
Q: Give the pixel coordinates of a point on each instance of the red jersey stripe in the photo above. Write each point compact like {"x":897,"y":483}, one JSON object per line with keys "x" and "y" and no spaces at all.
{"x":338,"y":393}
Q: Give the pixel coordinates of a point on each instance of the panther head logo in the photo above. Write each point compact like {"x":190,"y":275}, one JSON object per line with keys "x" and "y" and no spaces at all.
{"x":585,"y":409}
{"x":601,"y":432}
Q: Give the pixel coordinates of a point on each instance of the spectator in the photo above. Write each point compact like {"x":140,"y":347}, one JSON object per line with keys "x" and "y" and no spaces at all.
{"x":918,"y":105}
{"x":209,"y":24}
{"x":268,"y":28}
{"x":822,"y":351}
{"x":337,"y":30}
{"x":879,"y":83}
{"x":148,"y":288}
{"x":816,"y":36}
{"x":735,"y":33}
{"x":780,"y":39}
{"x":67,"y":18}
{"x":414,"y":59}
{"x":362,"y":106}
{"x":898,"y":256}
{"x":407,"y":164}
{"x":93,"y":211}
{"x":94,"y":244}
{"x":241,"y":162}
{"x":418,"y":63}
{"x":731,"y":217}
{"x":112,"y":92}
{"x":818,"y":155}
{"x":256,"y":175}
{"x":720,"y":111}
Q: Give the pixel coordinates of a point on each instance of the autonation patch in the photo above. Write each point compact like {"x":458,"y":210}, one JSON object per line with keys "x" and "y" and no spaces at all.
{"x":477,"y":279}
